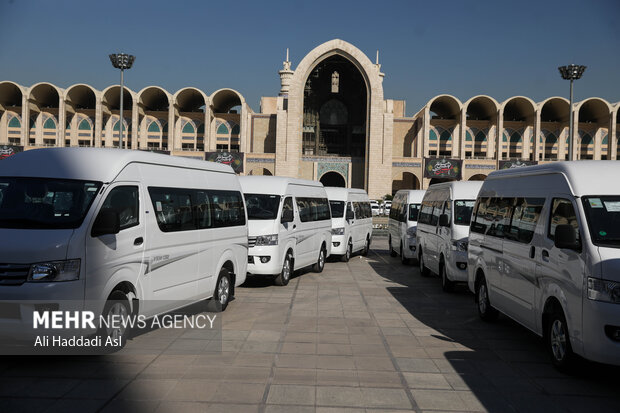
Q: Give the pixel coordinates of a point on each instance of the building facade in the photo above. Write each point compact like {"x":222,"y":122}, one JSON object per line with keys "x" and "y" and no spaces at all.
{"x":329,"y":122}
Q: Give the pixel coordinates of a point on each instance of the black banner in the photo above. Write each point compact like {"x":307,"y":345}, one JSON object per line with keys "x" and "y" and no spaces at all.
{"x":234,"y":159}
{"x":515,"y":164}
{"x":442,"y":168}
{"x":9,"y":150}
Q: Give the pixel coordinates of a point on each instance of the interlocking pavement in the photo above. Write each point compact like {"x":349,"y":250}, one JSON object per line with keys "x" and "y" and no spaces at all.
{"x":370,"y":335}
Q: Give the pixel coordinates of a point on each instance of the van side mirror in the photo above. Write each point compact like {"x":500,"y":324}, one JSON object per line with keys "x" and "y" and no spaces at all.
{"x":566,"y":237}
{"x":287,"y":216}
{"x":350,"y":215}
{"x":444,"y":220}
{"x":107,"y":222}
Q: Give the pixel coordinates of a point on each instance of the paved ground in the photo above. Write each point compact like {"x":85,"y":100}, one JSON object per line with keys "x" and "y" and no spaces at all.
{"x":370,"y":335}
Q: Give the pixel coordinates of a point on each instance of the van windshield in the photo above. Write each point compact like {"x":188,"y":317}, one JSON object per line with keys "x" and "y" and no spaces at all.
{"x":337,"y":208}
{"x":462,"y":211}
{"x":261,"y":206}
{"x":414,"y":210}
{"x":603,"y":215}
{"x":41,"y":203}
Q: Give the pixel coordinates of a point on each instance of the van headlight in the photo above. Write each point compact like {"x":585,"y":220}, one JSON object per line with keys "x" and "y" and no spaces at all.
{"x":68,"y":270}
{"x":338,"y":231}
{"x":603,"y":290}
{"x":267,"y":240}
{"x":411,"y":232}
{"x":460,"y":246}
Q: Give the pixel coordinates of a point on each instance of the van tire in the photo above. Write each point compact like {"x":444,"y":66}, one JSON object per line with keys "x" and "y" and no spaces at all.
{"x":392,"y":252}
{"x":558,"y":341}
{"x":320,"y":262}
{"x":424,"y":272}
{"x":446,"y":284}
{"x":347,"y":255}
{"x":223,"y":288}
{"x":403,"y":260}
{"x":485,"y":309}
{"x":117,"y":304}
{"x":287,"y":269}
{"x":366,"y":247}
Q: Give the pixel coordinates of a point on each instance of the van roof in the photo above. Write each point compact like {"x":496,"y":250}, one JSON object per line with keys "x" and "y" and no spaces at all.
{"x":97,"y":164}
{"x":460,"y":189}
{"x":342,"y":193}
{"x":586,"y":177}
{"x":272,"y":184}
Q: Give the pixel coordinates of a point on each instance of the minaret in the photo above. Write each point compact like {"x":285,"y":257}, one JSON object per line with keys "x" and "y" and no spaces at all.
{"x":285,"y":76}
{"x":378,"y":65}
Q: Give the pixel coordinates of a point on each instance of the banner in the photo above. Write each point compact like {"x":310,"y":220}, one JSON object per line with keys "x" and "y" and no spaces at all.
{"x":9,"y":150}
{"x":234,"y":159}
{"x":515,"y":164}
{"x":442,"y":168}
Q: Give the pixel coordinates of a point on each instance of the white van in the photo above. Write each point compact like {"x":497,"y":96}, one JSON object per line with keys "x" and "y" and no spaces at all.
{"x":374,"y":207}
{"x":351,"y":221}
{"x":403,"y":222}
{"x":544,"y":249}
{"x":443,"y":228}
{"x":289,"y":225}
{"x":147,"y":232}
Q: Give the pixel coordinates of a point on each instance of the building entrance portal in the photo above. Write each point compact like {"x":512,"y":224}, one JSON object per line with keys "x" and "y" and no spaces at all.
{"x":333,"y":179}
{"x":335,"y":110}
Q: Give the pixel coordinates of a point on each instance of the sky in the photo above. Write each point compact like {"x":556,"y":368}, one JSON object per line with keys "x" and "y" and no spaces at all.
{"x":426,"y":48}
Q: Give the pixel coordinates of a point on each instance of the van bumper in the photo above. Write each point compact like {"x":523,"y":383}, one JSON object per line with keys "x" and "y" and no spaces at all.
{"x":257,"y":256}
{"x":457,"y":266}
{"x":597,"y":345}
{"x":339,"y":245}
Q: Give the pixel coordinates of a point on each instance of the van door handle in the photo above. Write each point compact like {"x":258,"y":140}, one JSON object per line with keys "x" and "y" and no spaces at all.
{"x":138,"y":241}
{"x":532,"y":251}
{"x":545,"y":255}
{"x":294,"y":226}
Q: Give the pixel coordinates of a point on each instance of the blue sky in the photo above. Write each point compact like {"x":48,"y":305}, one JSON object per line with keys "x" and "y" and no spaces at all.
{"x":464,"y":48}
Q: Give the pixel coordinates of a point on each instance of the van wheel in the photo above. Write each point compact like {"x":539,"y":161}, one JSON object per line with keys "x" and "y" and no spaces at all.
{"x":222,"y":290}
{"x":320,"y":263}
{"x":117,"y":307}
{"x":366,"y":247}
{"x":485,"y":310}
{"x":392,"y":252}
{"x":403,"y":260}
{"x":347,"y":255}
{"x":423,"y":270}
{"x":446,"y":284}
{"x":287,"y":269}
{"x":558,"y":342}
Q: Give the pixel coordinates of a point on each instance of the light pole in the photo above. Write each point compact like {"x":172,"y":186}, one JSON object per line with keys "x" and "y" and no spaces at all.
{"x":571,"y":72}
{"x":122,"y":61}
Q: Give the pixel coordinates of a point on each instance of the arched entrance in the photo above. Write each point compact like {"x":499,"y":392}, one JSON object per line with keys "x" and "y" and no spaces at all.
{"x":406,"y":180}
{"x":478,"y":177}
{"x":333,"y":179}
{"x":440,"y":180}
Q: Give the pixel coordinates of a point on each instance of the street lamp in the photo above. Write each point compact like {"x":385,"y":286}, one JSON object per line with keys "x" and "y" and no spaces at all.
{"x":122,"y":61}
{"x":571,"y":72}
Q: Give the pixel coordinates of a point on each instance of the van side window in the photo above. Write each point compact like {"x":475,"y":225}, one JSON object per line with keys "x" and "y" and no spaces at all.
{"x":287,"y":205}
{"x":180,"y":209}
{"x":493,"y":216}
{"x":448,"y":210}
{"x":366,"y":212}
{"x":425,"y":213}
{"x":480,"y":223}
{"x":526,"y":212}
{"x":358,"y":210}
{"x":562,"y":213}
{"x":125,"y":201}
{"x":313,"y":209}
{"x":437,"y":207}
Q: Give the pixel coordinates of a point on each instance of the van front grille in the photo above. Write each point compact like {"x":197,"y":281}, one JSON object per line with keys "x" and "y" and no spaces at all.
{"x":251,"y":241}
{"x":13,"y":274}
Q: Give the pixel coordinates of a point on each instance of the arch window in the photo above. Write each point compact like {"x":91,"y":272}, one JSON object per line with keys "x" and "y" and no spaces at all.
{"x":235,"y":130}
{"x":49,"y":124}
{"x":15,"y":123}
{"x":188,"y":128}
{"x":201,"y":129}
{"x":153,"y":127}
{"x":432,"y":135}
{"x":222,"y":129}
{"x":335,"y":82}
{"x":85,"y":125}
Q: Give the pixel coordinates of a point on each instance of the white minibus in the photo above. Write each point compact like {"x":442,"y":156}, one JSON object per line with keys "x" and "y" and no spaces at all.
{"x":141,"y":233}
{"x":544,"y":249}
{"x":289,"y":225}
{"x":443,"y":228}
{"x":351,"y":221}
{"x":403,"y":222}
